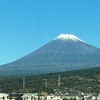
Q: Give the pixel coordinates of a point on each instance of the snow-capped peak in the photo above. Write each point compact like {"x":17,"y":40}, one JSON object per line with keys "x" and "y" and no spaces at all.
{"x":68,"y":37}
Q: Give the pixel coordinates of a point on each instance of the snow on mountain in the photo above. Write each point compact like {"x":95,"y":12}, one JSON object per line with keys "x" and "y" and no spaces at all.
{"x":68,"y":37}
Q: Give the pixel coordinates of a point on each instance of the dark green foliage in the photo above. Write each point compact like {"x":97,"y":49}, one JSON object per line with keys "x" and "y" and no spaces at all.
{"x":87,"y":80}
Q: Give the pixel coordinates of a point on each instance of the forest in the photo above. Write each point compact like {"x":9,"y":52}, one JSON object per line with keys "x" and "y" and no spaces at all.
{"x":87,"y":81}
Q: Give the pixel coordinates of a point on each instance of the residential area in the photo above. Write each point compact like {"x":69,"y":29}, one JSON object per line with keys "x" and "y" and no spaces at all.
{"x":44,"y":96}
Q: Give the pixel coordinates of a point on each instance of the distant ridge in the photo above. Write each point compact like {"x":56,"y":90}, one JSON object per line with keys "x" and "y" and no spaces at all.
{"x":65,"y":52}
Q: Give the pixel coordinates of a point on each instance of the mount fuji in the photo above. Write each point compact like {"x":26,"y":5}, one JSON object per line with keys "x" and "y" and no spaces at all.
{"x":65,"y":52}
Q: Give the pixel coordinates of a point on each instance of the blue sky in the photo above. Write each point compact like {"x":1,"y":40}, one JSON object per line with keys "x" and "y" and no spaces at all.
{"x":26,"y":25}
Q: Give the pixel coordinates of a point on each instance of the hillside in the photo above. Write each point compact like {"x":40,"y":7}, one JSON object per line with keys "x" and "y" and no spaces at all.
{"x":87,"y":80}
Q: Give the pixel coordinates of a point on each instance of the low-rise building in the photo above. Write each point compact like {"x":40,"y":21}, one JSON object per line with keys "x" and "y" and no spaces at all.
{"x":53,"y":97}
{"x":3,"y":96}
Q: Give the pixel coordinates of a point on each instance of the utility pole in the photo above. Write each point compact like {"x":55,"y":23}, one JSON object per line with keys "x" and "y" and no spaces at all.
{"x":23,"y":82}
{"x":45,"y":83}
{"x":58,"y":81}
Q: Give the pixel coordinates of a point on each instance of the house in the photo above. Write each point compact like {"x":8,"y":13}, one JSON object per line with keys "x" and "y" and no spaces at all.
{"x":53,"y":97}
{"x":70,"y":97}
{"x":3,"y":96}
{"x":33,"y":96}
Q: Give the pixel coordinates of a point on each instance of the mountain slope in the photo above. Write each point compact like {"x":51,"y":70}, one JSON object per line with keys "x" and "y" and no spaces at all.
{"x":65,"y":52}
